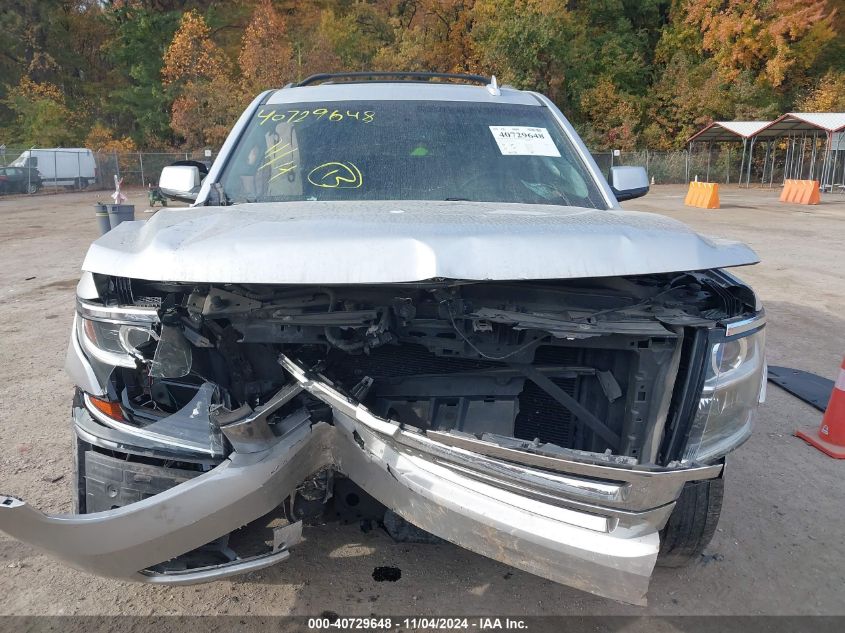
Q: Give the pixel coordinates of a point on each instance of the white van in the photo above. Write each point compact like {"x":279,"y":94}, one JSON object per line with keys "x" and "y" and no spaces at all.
{"x":71,"y":167}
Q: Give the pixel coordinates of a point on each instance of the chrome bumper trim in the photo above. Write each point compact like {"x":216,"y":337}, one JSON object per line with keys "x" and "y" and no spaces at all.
{"x":742,"y":326}
{"x":631,"y":489}
{"x":586,"y":551}
{"x":217,"y":572}
{"x":292,"y":535}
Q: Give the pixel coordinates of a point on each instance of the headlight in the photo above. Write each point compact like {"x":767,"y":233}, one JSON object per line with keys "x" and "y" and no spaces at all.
{"x":112,"y":335}
{"x":732,"y":390}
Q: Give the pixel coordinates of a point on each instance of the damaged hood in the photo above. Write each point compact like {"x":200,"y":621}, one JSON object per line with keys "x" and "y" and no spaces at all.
{"x":402,"y":241}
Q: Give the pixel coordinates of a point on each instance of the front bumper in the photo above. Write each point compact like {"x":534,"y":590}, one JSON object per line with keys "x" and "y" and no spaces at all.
{"x":587,"y":525}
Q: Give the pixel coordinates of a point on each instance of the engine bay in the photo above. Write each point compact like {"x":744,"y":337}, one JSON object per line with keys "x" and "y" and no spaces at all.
{"x":588,"y":365}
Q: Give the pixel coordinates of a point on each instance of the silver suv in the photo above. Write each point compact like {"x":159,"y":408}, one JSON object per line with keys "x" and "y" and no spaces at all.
{"x":416,"y":290}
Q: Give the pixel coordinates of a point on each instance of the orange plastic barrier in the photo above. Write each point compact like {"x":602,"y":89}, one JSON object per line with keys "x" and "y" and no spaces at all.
{"x":800,"y":192}
{"x":704,"y":195}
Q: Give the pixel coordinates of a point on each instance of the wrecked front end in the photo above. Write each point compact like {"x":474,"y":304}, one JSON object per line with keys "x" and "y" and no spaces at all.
{"x":550,"y":425}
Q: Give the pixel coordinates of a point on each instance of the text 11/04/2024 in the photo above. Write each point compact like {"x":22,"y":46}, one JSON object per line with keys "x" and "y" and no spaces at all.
{"x":374,"y":623}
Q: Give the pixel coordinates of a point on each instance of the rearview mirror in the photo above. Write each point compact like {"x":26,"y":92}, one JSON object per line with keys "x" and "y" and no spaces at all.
{"x":628,"y":182}
{"x":180,"y":182}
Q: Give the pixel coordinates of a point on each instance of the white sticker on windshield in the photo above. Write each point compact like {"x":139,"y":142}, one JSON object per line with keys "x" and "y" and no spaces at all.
{"x":518,"y":140}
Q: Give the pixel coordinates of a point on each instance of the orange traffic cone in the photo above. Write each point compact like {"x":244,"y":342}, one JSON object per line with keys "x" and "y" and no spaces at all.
{"x":830,"y":437}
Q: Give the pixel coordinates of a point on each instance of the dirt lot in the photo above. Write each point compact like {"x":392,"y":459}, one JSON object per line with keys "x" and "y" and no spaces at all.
{"x":779,"y":549}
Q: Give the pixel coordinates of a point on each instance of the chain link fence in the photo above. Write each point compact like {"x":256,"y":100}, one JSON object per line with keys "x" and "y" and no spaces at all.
{"x":36,"y":170}
{"x":764,"y":165}
{"x":723,"y":165}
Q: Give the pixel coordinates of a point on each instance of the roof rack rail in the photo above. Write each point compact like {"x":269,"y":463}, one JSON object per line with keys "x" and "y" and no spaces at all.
{"x":384,"y":76}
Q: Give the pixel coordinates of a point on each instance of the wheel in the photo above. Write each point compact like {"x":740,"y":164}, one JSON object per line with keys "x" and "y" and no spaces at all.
{"x":31,"y":188}
{"x":81,"y":183}
{"x":692,"y":523}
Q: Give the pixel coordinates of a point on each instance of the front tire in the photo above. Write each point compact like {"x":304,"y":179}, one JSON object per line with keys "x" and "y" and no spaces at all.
{"x":692,"y":523}
{"x":31,"y":188}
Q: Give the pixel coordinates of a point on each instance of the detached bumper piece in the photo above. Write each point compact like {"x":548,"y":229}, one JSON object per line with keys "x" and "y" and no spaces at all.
{"x":587,"y":524}
{"x":123,"y":542}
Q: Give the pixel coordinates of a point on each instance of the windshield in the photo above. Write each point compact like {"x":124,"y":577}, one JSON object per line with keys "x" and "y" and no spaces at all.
{"x":407,"y":150}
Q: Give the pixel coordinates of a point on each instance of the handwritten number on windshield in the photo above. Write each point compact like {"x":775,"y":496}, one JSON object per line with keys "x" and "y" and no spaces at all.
{"x":297,"y":116}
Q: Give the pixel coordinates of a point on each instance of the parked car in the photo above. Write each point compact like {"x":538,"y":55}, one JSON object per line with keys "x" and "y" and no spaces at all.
{"x":422,"y":294}
{"x":72,"y":167}
{"x":19,"y":180}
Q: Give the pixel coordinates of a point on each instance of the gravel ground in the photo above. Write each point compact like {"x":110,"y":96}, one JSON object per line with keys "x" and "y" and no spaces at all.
{"x":779,"y":549}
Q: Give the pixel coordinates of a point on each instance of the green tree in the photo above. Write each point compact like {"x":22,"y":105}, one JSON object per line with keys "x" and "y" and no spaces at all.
{"x":139,"y":105}
{"x":355,"y":36}
{"x":42,"y":118}
{"x":578,"y":53}
{"x":532,"y":44}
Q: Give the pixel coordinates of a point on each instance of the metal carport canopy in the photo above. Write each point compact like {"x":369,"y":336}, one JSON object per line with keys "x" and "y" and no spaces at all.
{"x":721,"y":131}
{"x":791,"y":122}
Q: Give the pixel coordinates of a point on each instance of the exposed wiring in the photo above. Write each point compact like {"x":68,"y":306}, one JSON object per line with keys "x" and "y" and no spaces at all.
{"x":478,"y":351}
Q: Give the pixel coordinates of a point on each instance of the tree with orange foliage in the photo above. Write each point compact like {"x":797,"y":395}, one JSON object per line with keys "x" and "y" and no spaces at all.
{"x":432,"y":35}
{"x":771,"y":39}
{"x":828,"y":94}
{"x":208,"y":99}
{"x":650,"y":71}
{"x":102,"y":139}
{"x":266,"y":57}
{"x":613,"y":117}
{"x":192,"y":54}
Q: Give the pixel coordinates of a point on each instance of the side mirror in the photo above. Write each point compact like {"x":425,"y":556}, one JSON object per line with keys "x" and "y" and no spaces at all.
{"x":628,"y":182}
{"x":180,"y":182}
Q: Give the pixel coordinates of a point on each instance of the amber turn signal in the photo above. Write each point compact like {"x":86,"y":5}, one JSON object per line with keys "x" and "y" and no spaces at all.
{"x":107,"y":407}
